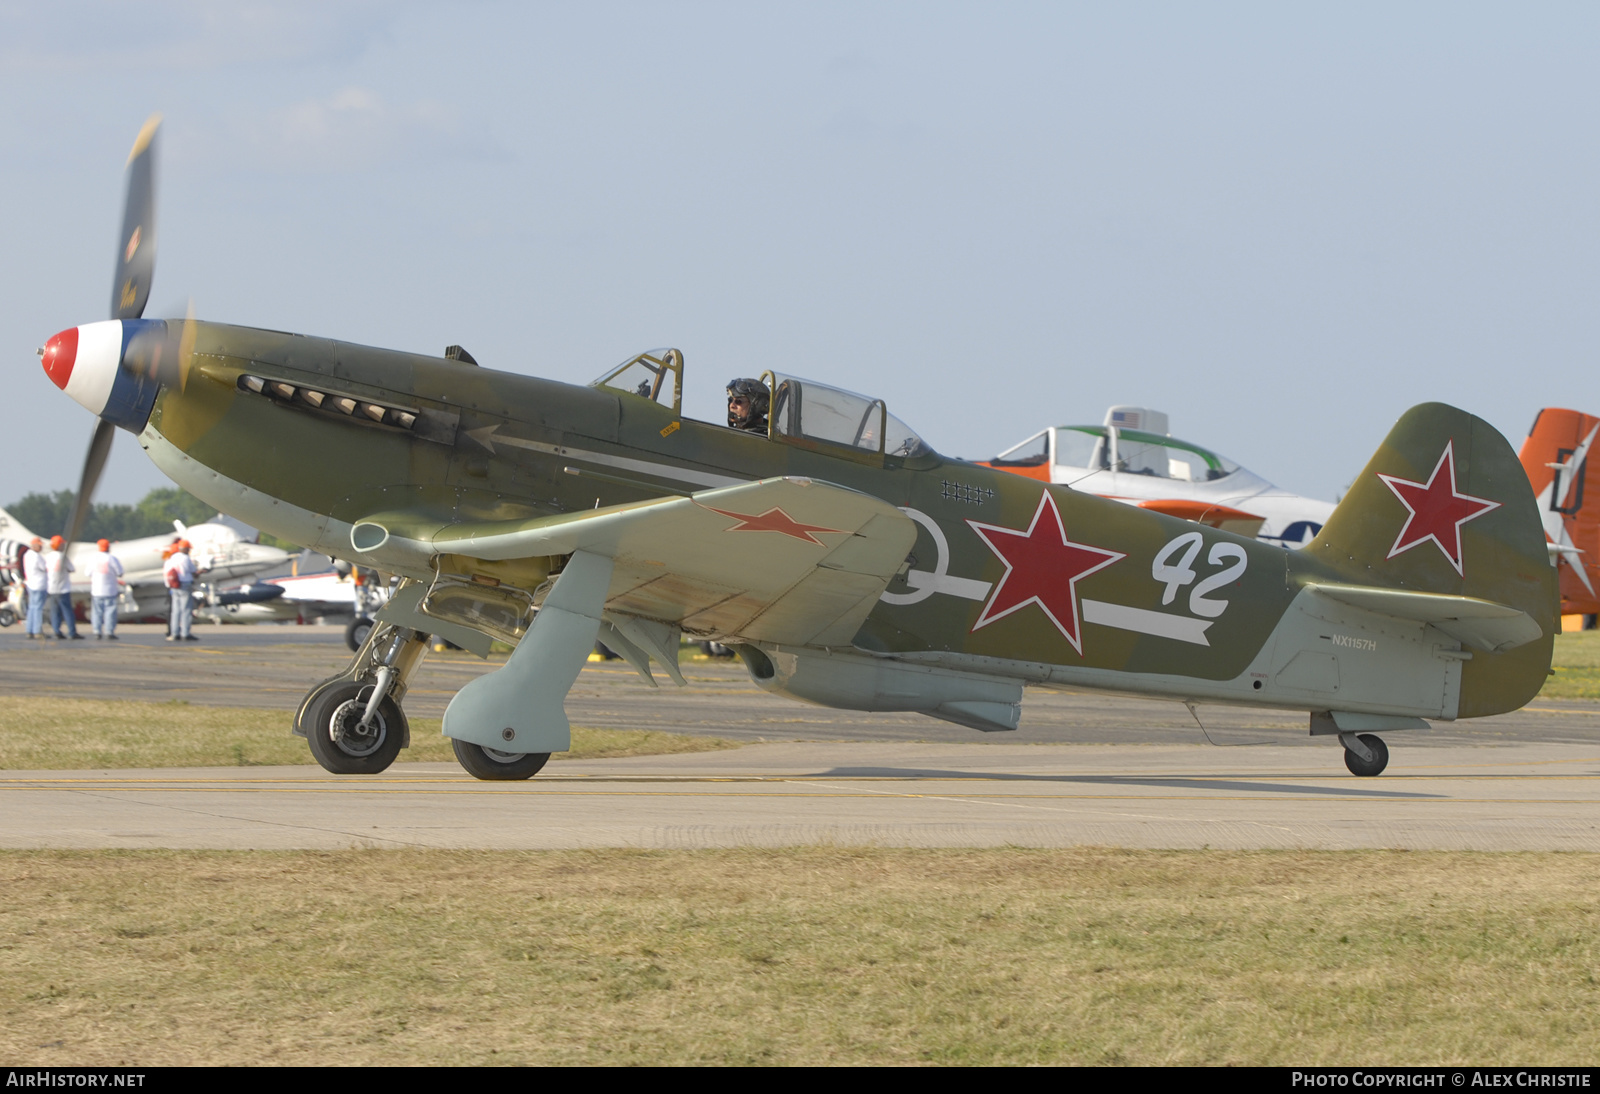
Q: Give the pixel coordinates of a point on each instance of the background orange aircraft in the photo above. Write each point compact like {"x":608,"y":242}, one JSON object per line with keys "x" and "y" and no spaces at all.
{"x":1556,"y":458}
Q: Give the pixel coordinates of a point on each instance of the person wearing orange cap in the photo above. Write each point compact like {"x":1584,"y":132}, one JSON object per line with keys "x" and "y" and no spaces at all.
{"x":33,"y":579}
{"x":180,"y":571}
{"x":105,"y":573}
{"x":58,"y":586}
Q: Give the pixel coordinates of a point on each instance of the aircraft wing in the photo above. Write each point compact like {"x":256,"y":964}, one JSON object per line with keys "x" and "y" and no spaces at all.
{"x":783,"y":560}
{"x":137,"y":578}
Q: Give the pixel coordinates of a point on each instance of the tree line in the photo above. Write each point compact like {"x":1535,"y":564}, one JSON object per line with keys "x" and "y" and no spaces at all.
{"x":47,"y":514}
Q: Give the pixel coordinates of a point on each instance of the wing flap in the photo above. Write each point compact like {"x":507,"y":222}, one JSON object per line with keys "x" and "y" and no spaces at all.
{"x":817,"y":601}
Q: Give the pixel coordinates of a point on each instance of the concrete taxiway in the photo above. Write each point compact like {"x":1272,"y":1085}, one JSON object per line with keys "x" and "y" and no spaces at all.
{"x":894,"y":794}
{"x":273,"y":667}
{"x":1083,"y":769}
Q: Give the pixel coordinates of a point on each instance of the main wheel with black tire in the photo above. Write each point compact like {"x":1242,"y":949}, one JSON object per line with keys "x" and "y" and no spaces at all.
{"x":355,"y":635}
{"x":1364,"y":768}
{"x":493,"y":765}
{"x":342,"y":745}
{"x":7,"y":616}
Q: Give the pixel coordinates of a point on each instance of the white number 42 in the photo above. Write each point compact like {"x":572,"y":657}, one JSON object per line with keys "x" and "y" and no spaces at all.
{"x":1176,"y":574}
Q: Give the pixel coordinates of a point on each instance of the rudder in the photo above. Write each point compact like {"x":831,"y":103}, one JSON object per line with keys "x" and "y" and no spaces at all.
{"x":1566,"y":488}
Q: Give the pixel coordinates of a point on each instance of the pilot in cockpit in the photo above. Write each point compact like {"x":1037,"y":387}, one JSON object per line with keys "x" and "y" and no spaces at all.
{"x":747,"y":405}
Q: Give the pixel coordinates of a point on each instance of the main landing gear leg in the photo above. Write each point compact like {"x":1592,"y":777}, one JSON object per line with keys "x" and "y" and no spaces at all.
{"x":506,"y":724}
{"x":353,"y":722}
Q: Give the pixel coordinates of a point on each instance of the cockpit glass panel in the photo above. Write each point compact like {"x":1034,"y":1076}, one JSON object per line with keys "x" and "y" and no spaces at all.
{"x":1169,"y":458}
{"x":1079,"y":447}
{"x":900,"y":440}
{"x":656,"y":375}
{"x":806,"y":410}
{"x":1030,"y":453}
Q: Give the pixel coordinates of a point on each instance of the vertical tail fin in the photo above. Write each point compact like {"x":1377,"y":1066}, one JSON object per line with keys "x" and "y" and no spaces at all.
{"x":1556,"y":458}
{"x":1445,"y":507}
{"x":12,"y":528}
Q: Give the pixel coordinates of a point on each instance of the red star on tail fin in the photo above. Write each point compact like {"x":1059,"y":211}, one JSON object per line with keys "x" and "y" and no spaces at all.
{"x":1437,"y":510}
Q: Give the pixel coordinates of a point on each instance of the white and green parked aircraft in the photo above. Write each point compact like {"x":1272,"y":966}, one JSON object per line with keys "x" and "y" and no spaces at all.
{"x":1132,"y":458}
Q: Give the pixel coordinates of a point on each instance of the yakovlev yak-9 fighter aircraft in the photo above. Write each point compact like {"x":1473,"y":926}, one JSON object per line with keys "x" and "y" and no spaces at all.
{"x":846,"y":562}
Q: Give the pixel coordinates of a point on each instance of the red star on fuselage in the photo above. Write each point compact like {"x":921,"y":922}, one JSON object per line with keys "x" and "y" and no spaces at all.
{"x":1043,"y":567}
{"x":775,"y":520}
{"x":1437,"y":509}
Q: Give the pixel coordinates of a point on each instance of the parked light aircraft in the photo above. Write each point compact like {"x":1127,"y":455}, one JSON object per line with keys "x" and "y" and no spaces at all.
{"x":341,"y":595}
{"x":1556,"y":458}
{"x":847,"y":562}
{"x":1130,"y":457}
{"x":218,"y":549}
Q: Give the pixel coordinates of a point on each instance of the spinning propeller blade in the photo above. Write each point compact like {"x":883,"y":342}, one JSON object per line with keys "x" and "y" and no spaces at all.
{"x":93,"y":464}
{"x":136,"y":247}
{"x":163,"y":351}
{"x":130,"y":291}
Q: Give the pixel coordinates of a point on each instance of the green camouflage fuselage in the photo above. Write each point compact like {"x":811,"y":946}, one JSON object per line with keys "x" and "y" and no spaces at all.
{"x":1232,"y":623}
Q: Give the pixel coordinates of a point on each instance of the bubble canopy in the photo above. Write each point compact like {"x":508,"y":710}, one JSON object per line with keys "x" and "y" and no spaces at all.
{"x":803,"y":412}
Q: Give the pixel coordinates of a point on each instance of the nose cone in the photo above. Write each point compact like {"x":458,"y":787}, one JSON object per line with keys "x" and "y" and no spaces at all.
{"x":82,"y":361}
{"x":60,"y":353}
{"x":86,"y":363}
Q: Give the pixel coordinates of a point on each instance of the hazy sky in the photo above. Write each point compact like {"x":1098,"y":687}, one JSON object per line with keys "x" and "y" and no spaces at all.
{"x":1282,"y":224}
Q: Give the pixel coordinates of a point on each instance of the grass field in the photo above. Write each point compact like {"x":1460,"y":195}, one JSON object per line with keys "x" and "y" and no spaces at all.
{"x":87,"y":733}
{"x":1577,"y":664}
{"x":820,"y":956}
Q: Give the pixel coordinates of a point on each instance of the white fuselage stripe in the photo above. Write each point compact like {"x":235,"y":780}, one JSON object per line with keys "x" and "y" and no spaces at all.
{"x":1183,"y":628}
{"x":658,"y":470}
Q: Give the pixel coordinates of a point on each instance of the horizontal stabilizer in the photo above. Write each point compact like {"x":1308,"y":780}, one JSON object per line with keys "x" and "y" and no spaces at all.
{"x":1481,"y":624}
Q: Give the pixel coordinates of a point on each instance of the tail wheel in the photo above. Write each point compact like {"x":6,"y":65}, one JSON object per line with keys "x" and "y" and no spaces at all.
{"x":1366,"y":768}
{"x":341,"y":744}
{"x":493,"y":765}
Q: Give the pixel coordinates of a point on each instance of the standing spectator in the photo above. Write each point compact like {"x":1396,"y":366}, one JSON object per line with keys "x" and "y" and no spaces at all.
{"x":34,"y":580}
{"x":180,"y":573}
{"x":105,"y":570}
{"x":166,"y":556}
{"x":58,"y":584}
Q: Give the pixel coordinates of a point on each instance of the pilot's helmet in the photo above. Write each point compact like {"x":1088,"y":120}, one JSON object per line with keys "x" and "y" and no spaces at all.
{"x":56,"y":542}
{"x":753,"y":390}
{"x":102,"y":544}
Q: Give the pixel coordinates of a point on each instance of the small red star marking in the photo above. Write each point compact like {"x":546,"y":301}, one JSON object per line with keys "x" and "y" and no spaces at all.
{"x":1043,"y":567}
{"x":1437,"y":509}
{"x":776,"y":520}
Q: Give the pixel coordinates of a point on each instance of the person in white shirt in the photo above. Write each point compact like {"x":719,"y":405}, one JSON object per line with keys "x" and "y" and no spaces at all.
{"x":104,"y":571}
{"x":58,"y":586}
{"x":33,"y":579}
{"x":180,"y":571}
